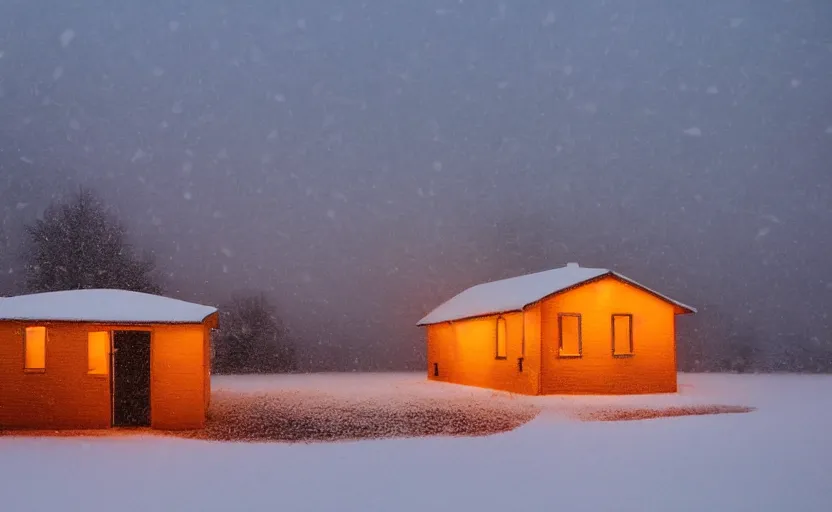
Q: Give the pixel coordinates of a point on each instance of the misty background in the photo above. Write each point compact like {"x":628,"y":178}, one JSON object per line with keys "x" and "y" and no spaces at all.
{"x":361,"y":162}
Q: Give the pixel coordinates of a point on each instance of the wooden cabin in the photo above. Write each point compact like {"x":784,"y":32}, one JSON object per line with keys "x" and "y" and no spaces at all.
{"x":93,"y":359}
{"x":570,"y":330}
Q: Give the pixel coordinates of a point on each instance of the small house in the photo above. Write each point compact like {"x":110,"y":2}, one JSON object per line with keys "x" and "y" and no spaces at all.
{"x":91,"y":359}
{"x":569,"y":330}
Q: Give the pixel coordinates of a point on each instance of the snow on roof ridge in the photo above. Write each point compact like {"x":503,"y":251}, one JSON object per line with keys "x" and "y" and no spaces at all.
{"x":102,"y":305}
{"x":515,"y":293}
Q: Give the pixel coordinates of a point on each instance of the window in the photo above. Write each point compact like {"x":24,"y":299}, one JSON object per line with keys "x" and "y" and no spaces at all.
{"x":34,"y":349}
{"x":569,"y":335}
{"x":502,"y":338}
{"x":98,"y":351}
{"x":622,"y":335}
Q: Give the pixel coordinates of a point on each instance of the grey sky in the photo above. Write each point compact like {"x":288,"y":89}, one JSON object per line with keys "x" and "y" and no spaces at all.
{"x":363,"y":161}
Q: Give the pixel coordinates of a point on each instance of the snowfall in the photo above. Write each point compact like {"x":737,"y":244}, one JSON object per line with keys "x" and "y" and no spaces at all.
{"x":777,"y":457}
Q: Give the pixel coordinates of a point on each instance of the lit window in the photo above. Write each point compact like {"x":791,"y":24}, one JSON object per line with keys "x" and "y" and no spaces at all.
{"x":98,"y":350}
{"x":622,"y":335}
{"x":569,"y":335}
{"x":502,"y":339}
{"x":34,"y":348}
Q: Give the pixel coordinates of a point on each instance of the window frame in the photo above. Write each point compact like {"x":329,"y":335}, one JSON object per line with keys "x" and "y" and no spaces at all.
{"x":26,"y":369}
{"x":629,"y":317}
{"x":580,"y":353}
{"x":497,"y":355}
{"x":108,"y":354}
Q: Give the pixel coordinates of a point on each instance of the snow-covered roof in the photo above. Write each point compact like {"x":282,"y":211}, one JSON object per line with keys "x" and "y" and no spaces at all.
{"x":106,"y":306}
{"x":516,"y":293}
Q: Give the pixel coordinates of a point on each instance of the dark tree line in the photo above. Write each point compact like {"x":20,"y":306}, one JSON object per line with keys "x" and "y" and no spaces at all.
{"x":81,"y":244}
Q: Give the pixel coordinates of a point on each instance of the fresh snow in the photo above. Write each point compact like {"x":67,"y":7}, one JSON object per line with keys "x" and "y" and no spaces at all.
{"x":516,"y":293}
{"x":101,"y":305}
{"x":773,"y":459}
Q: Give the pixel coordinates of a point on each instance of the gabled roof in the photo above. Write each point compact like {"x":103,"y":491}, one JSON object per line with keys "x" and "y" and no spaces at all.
{"x":105,"y":306}
{"x":516,"y":293}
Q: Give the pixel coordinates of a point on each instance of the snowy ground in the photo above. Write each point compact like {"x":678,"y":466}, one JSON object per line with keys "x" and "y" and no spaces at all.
{"x":777,"y":457}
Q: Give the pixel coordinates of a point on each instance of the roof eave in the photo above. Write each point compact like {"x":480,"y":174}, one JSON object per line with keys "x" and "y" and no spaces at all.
{"x":683,"y":308}
{"x":424,"y":321}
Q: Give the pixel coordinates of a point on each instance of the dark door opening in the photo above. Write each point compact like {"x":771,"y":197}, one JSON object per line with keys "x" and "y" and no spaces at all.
{"x":131,"y":379}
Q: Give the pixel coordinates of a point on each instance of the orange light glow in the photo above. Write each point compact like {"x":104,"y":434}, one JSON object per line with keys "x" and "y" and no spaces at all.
{"x":98,"y":352}
{"x":502,"y":338}
{"x":622,"y":335}
{"x":35,"y":348}
{"x":570,"y":335}
{"x":604,"y":337}
{"x":612,"y":312}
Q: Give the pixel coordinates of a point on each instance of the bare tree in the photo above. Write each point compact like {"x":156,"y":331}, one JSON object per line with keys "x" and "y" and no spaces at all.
{"x":80,"y":244}
{"x":252,"y":338}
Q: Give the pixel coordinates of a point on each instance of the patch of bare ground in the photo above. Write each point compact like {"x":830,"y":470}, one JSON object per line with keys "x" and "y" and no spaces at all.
{"x":633,"y":414}
{"x":296,"y":416}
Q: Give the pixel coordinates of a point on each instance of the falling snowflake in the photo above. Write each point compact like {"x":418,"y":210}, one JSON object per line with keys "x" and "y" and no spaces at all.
{"x":437,"y":165}
{"x":693,"y":131}
{"x":187,"y":195}
{"x":57,"y":73}
{"x":177,"y":108}
{"x":550,"y":19}
{"x":138,"y":155}
{"x":795,"y":82}
{"x":712,"y":90}
{"x":66,"y":37}
{"x":736,"y":22}
{"x":74,"y":124}
{"x":173,"y":26}
{"x":762,"y":232}
{"x":157,"y":71}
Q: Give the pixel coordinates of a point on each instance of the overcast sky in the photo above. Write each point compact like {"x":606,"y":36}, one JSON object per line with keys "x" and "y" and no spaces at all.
{"x":364,"y":161}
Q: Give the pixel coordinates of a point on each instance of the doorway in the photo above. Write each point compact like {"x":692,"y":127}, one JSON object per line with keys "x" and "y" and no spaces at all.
{"x":131,"y":379}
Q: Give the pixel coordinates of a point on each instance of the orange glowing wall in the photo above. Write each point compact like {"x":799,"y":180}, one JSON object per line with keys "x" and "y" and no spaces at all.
{"x":177,"y":372}
{"x":65,"y":395}
{"x":62,"y":395}
{"x":650,"y":369}
{"x":465,"y":352}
